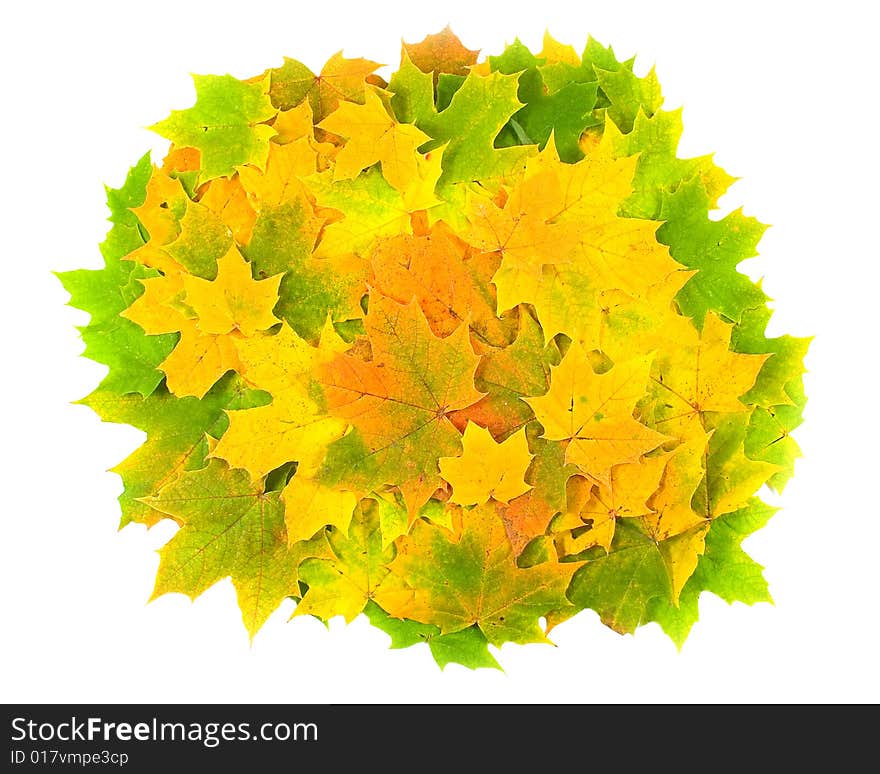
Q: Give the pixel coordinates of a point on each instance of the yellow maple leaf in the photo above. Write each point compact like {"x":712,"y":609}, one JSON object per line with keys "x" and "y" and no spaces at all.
{"x":487,"y":469}
{"x":199,"y":358}
{"x":210,"y":316}
{"x":601,"y":279}
{"x":295,"y":123}
{"x":234,"y":301}
{"x":283,"y":360}
{"x":594,"y":412}
{"x":309,"y":506}
{"x":294,"y":427}
{"x":373,"y":135}
{"x":163,"y":207}
{"x":671,"y":511}
{"x":680,"y":555}
{"x":701,"y":374}
{"x":599,"y":507}
{"x":280,"y":182}
{"x":198,"y":361}
{"x":553,"y":51}
{"x":160,"y":308}
{"x":523,"y":228}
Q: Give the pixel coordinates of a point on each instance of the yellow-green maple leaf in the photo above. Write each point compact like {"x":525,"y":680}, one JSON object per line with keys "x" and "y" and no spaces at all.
{"x":475,"y":580}
{"x":229,"y":527}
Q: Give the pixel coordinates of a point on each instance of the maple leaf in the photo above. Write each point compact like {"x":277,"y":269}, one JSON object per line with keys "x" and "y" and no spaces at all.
{"x":723,"y":569}
{"x":294,"y":427}
{"x":340,"y":80}
{"x":594,"y":412}
{"x":227,"y":198}
{"x":507,"y":375}
{"x":467,"y":647}
{"x":467,"y":352}
{"x":528,"y":516}
{"x":412,"y":91}
{"x":398,"y":403}
{"x":370,"y":206}
{"x":563,"y":242}
{"x":131,"y":356}
{"x":356,"y":572}
{"x":177,"y":435}
{"x":655,"y":140}
{"x":486,"y":469}
{"x":475,"y":580}
{"x":234,"y":301}
{"x":309,"y":506}
{"x":280,"y":182}
{"x":621,"y":584}
{"x":283,"y":241}
{"x":229,"y":528}
{"x":593,"y":510}
{"x":714,"y":248}
{"x":227,"y":124}
{"x":159,"y":216}
{"x":450,"y":280}
{"x":702,"y":375}
{"x":213,"y":315}
{"x":468,"y":126}
{"x":373,"y":136}
{"x":778,"y":392}
{"x":731,"y":478}
{"x":203,"y":240}
{"x":442,"y":52}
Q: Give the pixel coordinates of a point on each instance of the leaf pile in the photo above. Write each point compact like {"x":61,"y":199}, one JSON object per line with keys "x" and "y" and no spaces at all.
{"x":462,"y":351}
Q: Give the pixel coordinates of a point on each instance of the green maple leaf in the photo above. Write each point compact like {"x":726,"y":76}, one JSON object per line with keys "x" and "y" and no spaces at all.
{"x":477,"y":112}
{"x":120,"y":344}
{"x":781,"y":373}
{"x":467,"y":647}
{"x":627,"y":94}
{"x":724,"y":569}
{"x":622,"y":584}
{"x":475,"y":580}
{"x":412,"y":92}
{"x":227,"y":124}
{"x":659,"y":170}
{"x":203,"y":240}
{"x":177,"y":435}
{"x":230,"y":528}
{"x":565,"y":111}
{"x":778,"y":394}
{"x":715,"y":248}
{"x":370,"y":206}
{"x":282,"y":244}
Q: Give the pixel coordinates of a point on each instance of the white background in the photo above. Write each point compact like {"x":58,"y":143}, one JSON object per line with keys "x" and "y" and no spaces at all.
{"x":785,"y":94}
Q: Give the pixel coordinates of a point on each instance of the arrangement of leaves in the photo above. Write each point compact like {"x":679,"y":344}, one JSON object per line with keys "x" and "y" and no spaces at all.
{"x":462,"y":351}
